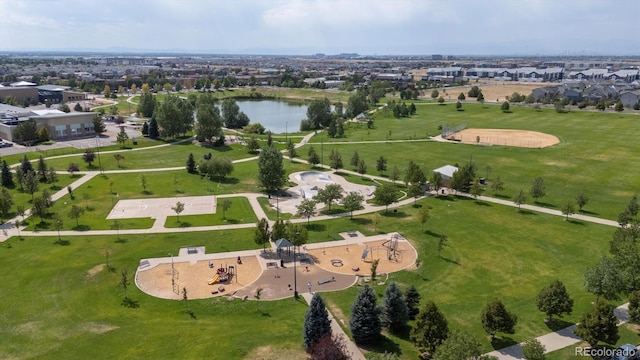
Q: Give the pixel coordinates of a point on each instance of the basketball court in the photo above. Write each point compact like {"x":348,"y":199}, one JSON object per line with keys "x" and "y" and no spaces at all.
{"x":161,"y":207}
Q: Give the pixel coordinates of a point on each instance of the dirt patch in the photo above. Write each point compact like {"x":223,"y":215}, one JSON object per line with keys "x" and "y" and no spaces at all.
{"x":97,"y":328}
{"x":337,"y":313}
{"x":505,"y":137}
{"x":493,"y":90}
{"x":273,"y":353}
{"x":194,"y":276}
{"x":96,"y":269}
{"x":30,"y":327}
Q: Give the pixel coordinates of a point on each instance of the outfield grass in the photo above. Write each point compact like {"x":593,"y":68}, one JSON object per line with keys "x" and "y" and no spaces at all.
{"x":239,"y":213}
{"x":595,"y":154}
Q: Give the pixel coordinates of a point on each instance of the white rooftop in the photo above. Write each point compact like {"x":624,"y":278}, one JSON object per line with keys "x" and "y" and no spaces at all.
{"x":446,"y":170}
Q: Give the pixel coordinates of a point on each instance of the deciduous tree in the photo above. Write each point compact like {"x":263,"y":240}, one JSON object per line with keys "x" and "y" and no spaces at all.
{"x":495,"y":317}
{"x":604,"y":279}
{"x":306,"y":208}
{"x":554,"y":300}
{"x":271,"y":174}
{"x":353,"y":201}
{"x":329,"y":194}
{"x":431,"y":329}
{"x":179,"y":208}
{"x":533,"y":349}
{"x":261,"y":233}
{"x":122,"y":137}
{"x":568,"y":209}
{"x":385,"y":194}
{"x":89,"y":156}
{"x":459,"y":345}
{"x":75,"y":213}
{"x":520,"y":198}
{"x":581,"y":201}
{"x":537,"y":189}
{"x":599,"y":324}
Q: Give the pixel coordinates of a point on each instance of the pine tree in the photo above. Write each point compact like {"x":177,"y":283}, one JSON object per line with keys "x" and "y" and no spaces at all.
{"x":412,"y":297}
{"x":191,"y":164}
{"x":42,"y":169}
{"x":7,"y":176}
{"x":26,"y":165}
{"x":316,"y":322}
{"x":355,"y":159}
{"x":394,"y":312}
{"x":154,"y":133}
{"x":365,"y":323}
{"x":314,"y":159}
{"x":145,"y":129}
{"x":599,"y":324}
{"x":634,"y":306}
{"x":431,"y":329}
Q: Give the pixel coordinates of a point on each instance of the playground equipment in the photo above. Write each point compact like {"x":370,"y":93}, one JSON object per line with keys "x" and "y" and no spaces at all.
{"x":222,"y":274}
{"x":390,"y":246}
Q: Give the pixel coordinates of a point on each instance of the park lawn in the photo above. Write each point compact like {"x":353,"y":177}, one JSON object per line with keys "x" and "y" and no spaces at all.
{"x":99,"y":195}
{"x":493,"y":251}
{"x":21,"y":197}
{"x":593,"y":157}
{"x":173,"y":155}
{"x":61,"y":308}
{"x":629,"y":334}
{"x":239,"y":213}
{"x":272,"y":214}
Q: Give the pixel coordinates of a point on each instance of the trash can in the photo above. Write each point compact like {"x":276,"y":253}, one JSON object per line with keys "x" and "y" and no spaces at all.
{"x":482,"y":181}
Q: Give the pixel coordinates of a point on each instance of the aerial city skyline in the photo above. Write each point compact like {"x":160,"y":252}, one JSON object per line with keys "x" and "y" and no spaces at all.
{"x":371,"y":27}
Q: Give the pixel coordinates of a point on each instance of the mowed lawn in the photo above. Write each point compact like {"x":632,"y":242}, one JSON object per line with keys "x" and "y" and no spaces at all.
{"x":493,"y":251}
{"x":59,"y":303}
{"x":595,"y":155}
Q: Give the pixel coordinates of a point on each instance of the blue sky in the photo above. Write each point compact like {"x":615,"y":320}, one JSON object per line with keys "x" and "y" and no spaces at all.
{"x":382,"y":27}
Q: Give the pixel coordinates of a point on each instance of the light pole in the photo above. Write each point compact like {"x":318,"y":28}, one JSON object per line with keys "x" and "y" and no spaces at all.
{"x":277,"y":205}
{"x":173,"y":284}
{"x":295,"y":271}
{"x":98,"y":151}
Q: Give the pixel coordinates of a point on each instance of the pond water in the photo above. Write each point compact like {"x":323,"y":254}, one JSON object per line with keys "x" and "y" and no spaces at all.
{"x":276,"y":116}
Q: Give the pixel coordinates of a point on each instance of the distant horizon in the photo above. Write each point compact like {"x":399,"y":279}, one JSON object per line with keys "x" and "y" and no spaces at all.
{"x":297,"y":27}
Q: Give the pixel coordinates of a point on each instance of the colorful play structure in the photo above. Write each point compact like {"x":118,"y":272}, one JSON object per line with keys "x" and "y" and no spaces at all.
{"x":222,"y":275}
{"x":390,"y":246}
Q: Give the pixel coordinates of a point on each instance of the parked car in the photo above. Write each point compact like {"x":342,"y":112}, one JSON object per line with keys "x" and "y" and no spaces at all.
{"x":627,"y":352}
{"x":4,"y":144}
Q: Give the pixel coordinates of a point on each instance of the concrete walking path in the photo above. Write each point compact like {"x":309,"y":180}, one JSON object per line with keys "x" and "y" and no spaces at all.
{"x":352,"y":349}
{"x":556,"y":340}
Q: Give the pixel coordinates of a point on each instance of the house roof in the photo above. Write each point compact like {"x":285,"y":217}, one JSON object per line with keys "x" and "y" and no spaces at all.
{"x":23,"y":83}
{"x":52,"y":87}
{"x":47,"y":112}
{"x":446,"y":170}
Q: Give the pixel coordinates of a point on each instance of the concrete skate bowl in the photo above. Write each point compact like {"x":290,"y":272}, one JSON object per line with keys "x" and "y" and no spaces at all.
{"x":311,"y":181}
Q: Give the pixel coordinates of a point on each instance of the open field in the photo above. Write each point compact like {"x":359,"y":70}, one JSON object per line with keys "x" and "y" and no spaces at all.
{"x":594,"y":153}
{"x":518,"y":138}
{"x":493,"y":90}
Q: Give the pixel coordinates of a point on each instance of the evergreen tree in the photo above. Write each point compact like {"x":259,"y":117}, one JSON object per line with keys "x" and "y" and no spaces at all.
{"x":7,"y":176}
{"x":191,"y":164}
{"x":261,"y":233}
{"x":394,"y":313}
{"x":145,"y":129}
{"x":313,"y":159}
{"x":537,"y":188}
{"x":154,"y":133}
{"x":335,"y":160}
{"x":6,"y":202}
{"x":316,"y":322}
{"x":599,"y":324}
{"x":26,"y":165}
{"x":365,"y":322}
{"x":533,"y":350}
{"x":355,"y":159}
{"x":495,"y":317}
{"x":431,"y":329}
{"x":412,"y":297}
{"x":554,"y":300}
{"x":42,"y":169}
{"x":381,"y":165}
{"x":459,"y":345}
{"x":52,"y":176}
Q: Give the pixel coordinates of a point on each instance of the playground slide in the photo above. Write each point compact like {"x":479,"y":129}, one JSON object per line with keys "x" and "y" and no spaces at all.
{"x":214,"y":279}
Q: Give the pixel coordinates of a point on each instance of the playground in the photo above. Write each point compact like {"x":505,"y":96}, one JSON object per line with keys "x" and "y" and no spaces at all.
{"x":355,"y":255}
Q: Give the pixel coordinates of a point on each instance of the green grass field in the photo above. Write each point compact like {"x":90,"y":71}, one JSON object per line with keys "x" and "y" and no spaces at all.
{"x":57,"y":310}
{"x":239,"y":213}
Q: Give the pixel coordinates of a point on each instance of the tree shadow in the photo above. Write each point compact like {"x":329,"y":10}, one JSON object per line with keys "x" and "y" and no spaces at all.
{"x":361,"y":221}
{"x":502,"y":342}
{"x":130,"y":303}
{"x":231,"y":221}
{"x":557,"y":324}
{"x":192,"y":314}
{"x":395,"y":214}
{"x":432,"y":233}
{"x":316,"y":227}
{"x":146,"y":192}
{"x":575,"y":222}
{"x":445,"y":198}
{"x":450,"y":261}
{"x":482,"y":203}
{"x":527,"y":212}
{"x":416,"y":206}
{"x":184,"y":224}
{"x":544,"y":204}
{"x":121,"y":241}
{"x":229,"y":181}
{"x":81,"y":228}
{"x":500,"y":196}
{"x":403,"y":333}
{"x":62,"y":242}
{"x":381,"y":345}
{"x":587,"y":212}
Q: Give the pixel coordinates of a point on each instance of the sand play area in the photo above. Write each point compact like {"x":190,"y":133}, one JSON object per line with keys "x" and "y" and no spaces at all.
{"x":195,"y":275}
{"x":505,"y":137}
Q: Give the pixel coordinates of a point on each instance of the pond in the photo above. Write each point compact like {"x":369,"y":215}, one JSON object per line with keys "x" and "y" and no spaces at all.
{"x":277,"y":116}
